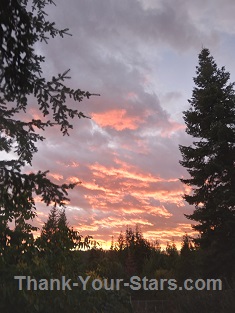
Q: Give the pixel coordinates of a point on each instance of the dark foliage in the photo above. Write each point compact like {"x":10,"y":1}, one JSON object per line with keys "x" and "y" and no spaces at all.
{"x":22,"y":25}
{"x":210,"y":161}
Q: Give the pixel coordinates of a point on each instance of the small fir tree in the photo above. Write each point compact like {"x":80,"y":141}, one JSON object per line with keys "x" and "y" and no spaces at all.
{"x":56,"y":235}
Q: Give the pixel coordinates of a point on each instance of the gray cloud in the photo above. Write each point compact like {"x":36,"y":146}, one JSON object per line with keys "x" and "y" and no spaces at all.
{"x":121,"y":49}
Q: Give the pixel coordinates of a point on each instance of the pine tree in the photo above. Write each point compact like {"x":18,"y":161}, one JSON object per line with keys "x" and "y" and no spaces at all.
{"x":210,"y":161}
{"x":187,"y":259}
{"x":67,"y":236}
{"x":49,"y":230}
{"x":56,"y":235}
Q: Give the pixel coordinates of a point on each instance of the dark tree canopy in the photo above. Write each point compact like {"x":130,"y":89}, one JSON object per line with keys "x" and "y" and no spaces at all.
{"x":23,"y":24}
{"x":56,"y":235}
{"x":210,"y":160}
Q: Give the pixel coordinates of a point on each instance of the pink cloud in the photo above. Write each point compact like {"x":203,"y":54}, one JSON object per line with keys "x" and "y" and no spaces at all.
{"x":56,"y":176}
{"x":172,"y":128}
{"x":117,"y":119}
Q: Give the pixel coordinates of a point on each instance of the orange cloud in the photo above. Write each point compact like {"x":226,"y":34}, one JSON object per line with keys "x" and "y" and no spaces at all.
{"x":111,"y":222}
{"x":71,"y":164}
{"x":126,"y":189}
{"x":56,"y":176}
{"x":86,"y":228}
{"x":117,"y":119}
{"x":162,"y":196}
{"x":158,"y":210}
{"x":138,"y":184}
{"x":73,"y":179}
{"x":125,"y":171}
{"x":167,"y":235}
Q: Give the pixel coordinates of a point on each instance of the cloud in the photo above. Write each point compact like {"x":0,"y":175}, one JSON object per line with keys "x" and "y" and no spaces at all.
{"x":117,"y":119}
{"x":141,"y":57}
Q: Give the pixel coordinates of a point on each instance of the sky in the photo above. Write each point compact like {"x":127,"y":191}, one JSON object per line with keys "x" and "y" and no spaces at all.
{"x":141,"y":57}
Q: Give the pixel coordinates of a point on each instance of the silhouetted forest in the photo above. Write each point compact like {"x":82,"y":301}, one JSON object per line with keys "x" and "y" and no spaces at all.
{"x":61,"y":251}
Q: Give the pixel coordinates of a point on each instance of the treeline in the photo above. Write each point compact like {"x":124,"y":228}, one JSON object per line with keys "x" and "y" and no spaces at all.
{"x":58,"y":252}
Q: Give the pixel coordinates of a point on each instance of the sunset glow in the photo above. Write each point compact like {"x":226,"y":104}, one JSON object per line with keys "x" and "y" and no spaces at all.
{"x":140,"y":56}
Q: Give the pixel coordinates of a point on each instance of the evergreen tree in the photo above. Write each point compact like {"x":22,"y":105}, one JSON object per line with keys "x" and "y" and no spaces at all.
{"x":67,"y":236}
{"x":49,"y":229}
{"x":133,"y":248}
{"x":172,"y":256}
{"x":210,"y":161}
{"x":56,"y":235}
{"x":121,"y":242}
{"x":22,"y":25}
{"x":187,"y":260}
